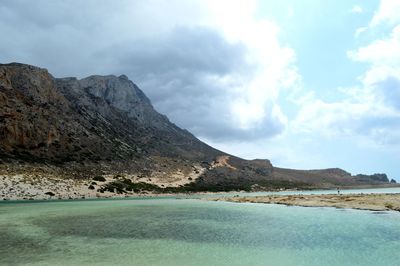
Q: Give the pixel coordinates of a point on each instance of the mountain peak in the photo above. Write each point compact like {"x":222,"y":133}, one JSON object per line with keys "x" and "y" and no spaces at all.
{"x":106,"y":124}
{"x":123,"y":77}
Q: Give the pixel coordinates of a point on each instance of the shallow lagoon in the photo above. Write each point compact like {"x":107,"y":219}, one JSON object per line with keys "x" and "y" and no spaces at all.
{"x":193,"y":232}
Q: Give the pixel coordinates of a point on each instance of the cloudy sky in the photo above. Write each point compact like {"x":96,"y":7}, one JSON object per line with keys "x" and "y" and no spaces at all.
{"x":307,"y":84}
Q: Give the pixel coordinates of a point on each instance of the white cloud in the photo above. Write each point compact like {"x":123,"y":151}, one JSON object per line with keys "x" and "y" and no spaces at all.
{"x":357,"y":9}
{"x":216,"y":56}
{"x":359,"y":31}
{"x":380,"y":52}
{"x":388,"y":12}
{"x":369,"y":112}
{"x":256,"y":98}
{"x":365,"y":113}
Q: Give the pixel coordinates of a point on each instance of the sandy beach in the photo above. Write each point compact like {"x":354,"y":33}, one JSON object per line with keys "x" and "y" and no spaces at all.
{"x":374,"y":202}
{"x":34,"y":187}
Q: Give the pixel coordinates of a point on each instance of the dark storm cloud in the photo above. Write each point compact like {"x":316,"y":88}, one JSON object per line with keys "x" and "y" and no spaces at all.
{"x":180,"y":63}
{"x":181,"y":74}
{"x":188,"y":71}
{"x":195,"y":49}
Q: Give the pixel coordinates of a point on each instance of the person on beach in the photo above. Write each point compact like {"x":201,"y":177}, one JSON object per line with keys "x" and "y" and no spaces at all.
{"x":338,"y":191}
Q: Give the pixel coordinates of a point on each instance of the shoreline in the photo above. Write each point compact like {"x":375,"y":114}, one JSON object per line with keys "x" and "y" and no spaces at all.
{"x":371,"y":202}
{"x":360,"y":201}
{"x":24,"y":187}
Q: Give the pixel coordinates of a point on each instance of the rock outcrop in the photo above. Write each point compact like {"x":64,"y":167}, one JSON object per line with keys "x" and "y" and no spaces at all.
{"x":373,"y":178}
{"x":106,"y":125}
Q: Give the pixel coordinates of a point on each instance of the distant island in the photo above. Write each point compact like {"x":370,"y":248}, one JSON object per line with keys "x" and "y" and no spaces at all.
{"x":101,"y":137}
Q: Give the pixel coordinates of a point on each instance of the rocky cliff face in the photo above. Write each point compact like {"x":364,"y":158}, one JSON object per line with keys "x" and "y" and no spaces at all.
{"x":96,"y":118}
{"x":106,"y":124}
{"x":30,"y":112}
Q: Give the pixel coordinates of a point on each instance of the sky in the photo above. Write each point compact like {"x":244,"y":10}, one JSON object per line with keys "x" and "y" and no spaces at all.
{"x":308,"y":84}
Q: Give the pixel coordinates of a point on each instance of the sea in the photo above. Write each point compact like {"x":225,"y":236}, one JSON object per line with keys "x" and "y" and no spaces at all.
{"x":188,"y":230}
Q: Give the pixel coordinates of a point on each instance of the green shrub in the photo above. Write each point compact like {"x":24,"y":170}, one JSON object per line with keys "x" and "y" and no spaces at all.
{"x":125,"y":185}
{"x":389,"y":205}
{"x":99,"y":178}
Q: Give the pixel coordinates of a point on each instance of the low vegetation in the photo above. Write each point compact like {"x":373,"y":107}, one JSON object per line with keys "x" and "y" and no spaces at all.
{"x":99,"y":178}
{"x":126,"y":185}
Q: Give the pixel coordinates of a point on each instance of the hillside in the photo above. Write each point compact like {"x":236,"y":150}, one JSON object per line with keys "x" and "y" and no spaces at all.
{"x":66,"y":129}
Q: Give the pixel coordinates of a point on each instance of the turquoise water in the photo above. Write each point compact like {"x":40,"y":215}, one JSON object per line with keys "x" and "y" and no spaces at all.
{"x":193,"y":232}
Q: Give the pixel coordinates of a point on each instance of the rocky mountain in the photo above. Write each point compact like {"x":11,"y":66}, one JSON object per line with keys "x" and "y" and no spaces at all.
{"x":106,"y":126}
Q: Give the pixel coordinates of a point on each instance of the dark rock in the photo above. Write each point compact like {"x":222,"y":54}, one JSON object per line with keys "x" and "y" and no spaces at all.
{"x":99,"y":178}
